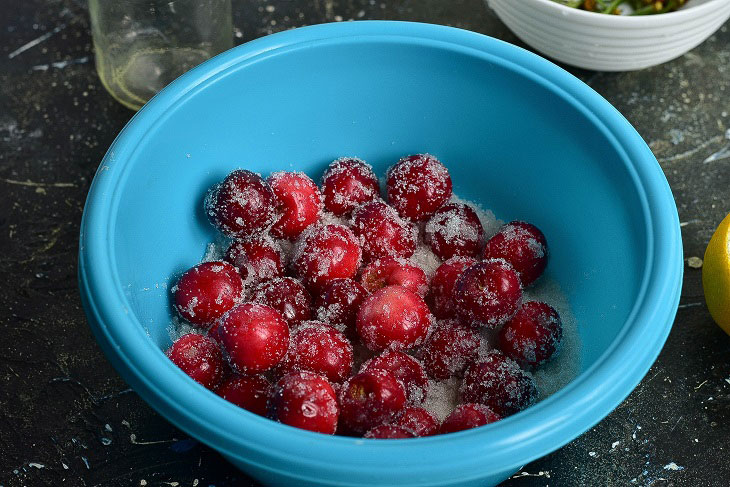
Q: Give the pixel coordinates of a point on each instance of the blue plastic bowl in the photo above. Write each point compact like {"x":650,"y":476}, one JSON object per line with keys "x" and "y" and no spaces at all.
{"x":519,"y":135}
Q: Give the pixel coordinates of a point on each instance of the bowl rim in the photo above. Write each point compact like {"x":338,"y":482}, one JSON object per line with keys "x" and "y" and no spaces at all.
{"x":676,"y":17}
{"x":508,"y":444}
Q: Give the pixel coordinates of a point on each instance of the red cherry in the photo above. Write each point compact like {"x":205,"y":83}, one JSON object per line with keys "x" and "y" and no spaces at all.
{"x":453,"y":230}
{"x":255,"y":337}
{"x":442,"y":285}
{"x":418,"y":421}
{"x":257,"y":260}
{"x":205,"y":292}
{"x":524,"y":246}
{"x":533,"y":335}
{"x":287,"y":296}
{"x":242,"y":205}
{"x":487,"y":293}
{"x":339,"y":302}
{"x":298,"y":202}
{"x":467,"y":416}
{"x":321,"y":349}
{"x":406,"y":369}
{"x":305,"y":400}
{"x":394,"y":272}
{"x":382,"y":233}
{"x":417,"y":186}
{"x":388,"y":432}
{"x":198,"y":356}
{"x":347,"y":183}
{"x":498,"y":382}
{"x":450,"y":349}
{"x":325,"y":253}
{"x":393,"y":317}
{"x":370,"y":398}
{"x":250,"y":392}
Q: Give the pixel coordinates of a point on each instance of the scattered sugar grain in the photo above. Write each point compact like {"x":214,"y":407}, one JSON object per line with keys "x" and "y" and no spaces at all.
{"x":490,"y":223}
{"x":442,"y":397}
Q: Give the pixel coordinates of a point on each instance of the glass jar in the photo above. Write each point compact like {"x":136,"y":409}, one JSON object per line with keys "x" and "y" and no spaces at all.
{"x":142,"y":45}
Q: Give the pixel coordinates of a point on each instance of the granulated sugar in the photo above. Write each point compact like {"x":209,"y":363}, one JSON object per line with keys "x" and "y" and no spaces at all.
{"x":443,"y":396}
{"x":565,"y":366}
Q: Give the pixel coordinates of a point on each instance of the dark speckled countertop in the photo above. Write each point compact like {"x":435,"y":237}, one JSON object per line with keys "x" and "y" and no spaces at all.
{"x":66,"y":416}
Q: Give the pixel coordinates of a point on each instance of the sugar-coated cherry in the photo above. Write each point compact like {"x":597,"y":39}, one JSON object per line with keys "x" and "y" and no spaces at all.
{"x":242,"y":205}
{"x":393,"y":317}
{"x":298,"y":203}
{"x":250,"y":392}
{"x":441,"y":290}
{"x":255,"y":337}
{"x":319,"y":348}
{"x":524,"y":246}
{"x":339,"y":302}
{"x":406,"y":369}
{"x":498,"y":382}
{"x":467,"y":416}
{"x":370,"y":398}
{"x":287,"y":296}
{"x":205,"y":292}
{"x":418,"y":421}
{"x":257,"y":260}
{"x":488,"y":293}
{"x":198,"y":356}
{"x":450,"y":349}
{"x":382,"y":233}
{"x":417,"y":186}
{"x":325,"y":253}
{"x":394,"y":272}
{"x":533,"y":335}
{"x":454,"y":229}
{"x":347,"y":183}
{"x":305,"y":400}
{"x":388,"y":432}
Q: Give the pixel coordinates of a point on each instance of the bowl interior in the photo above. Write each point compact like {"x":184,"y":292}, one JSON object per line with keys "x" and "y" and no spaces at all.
{"x":513,"y":143}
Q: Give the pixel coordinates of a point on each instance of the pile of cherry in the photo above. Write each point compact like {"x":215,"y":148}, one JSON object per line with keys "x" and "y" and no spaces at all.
{"x":281,"y":326}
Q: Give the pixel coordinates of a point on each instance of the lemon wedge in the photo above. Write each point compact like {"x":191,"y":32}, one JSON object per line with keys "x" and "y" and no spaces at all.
{"x":716,"y":275}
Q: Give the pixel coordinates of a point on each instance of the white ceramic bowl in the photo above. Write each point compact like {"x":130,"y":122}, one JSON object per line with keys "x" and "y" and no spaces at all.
{"x":610,"y":42}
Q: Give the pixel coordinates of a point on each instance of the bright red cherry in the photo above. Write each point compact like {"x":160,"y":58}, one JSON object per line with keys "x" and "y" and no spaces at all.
{"x":319,"y":348}
{"x":418,"y":421}
{"x":388,"y":432}
{"x":347,"y":183}
{"x":250,"y":392}
{"x":287,"y":296}
{"x":242,"y":205}
{"x":305,"y":400}
{"x":450,"y":349}
{"x":487,"y":293}
{"x":370,"y":398}
{"x":255,"y":337}
{"x":453,"y":230}
{"x":406,"y":369}
{"x":524,"y":246}
{"x":442,"y":286}
{"x":394,"y":272}
{"x":339,"y":302}
{"x":198,"y":356}
{"x":393,"y":317}
{"x":325,"y":253}
{"x":498,"y":382}
{"x":205,"y":292}
{"x":257,"y":260}
{"x":382,"y":233}
{"x":298,"y":203}
{"x":417,"y":186}
{"x":532,"y":337}
{"x":467,"y":416}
